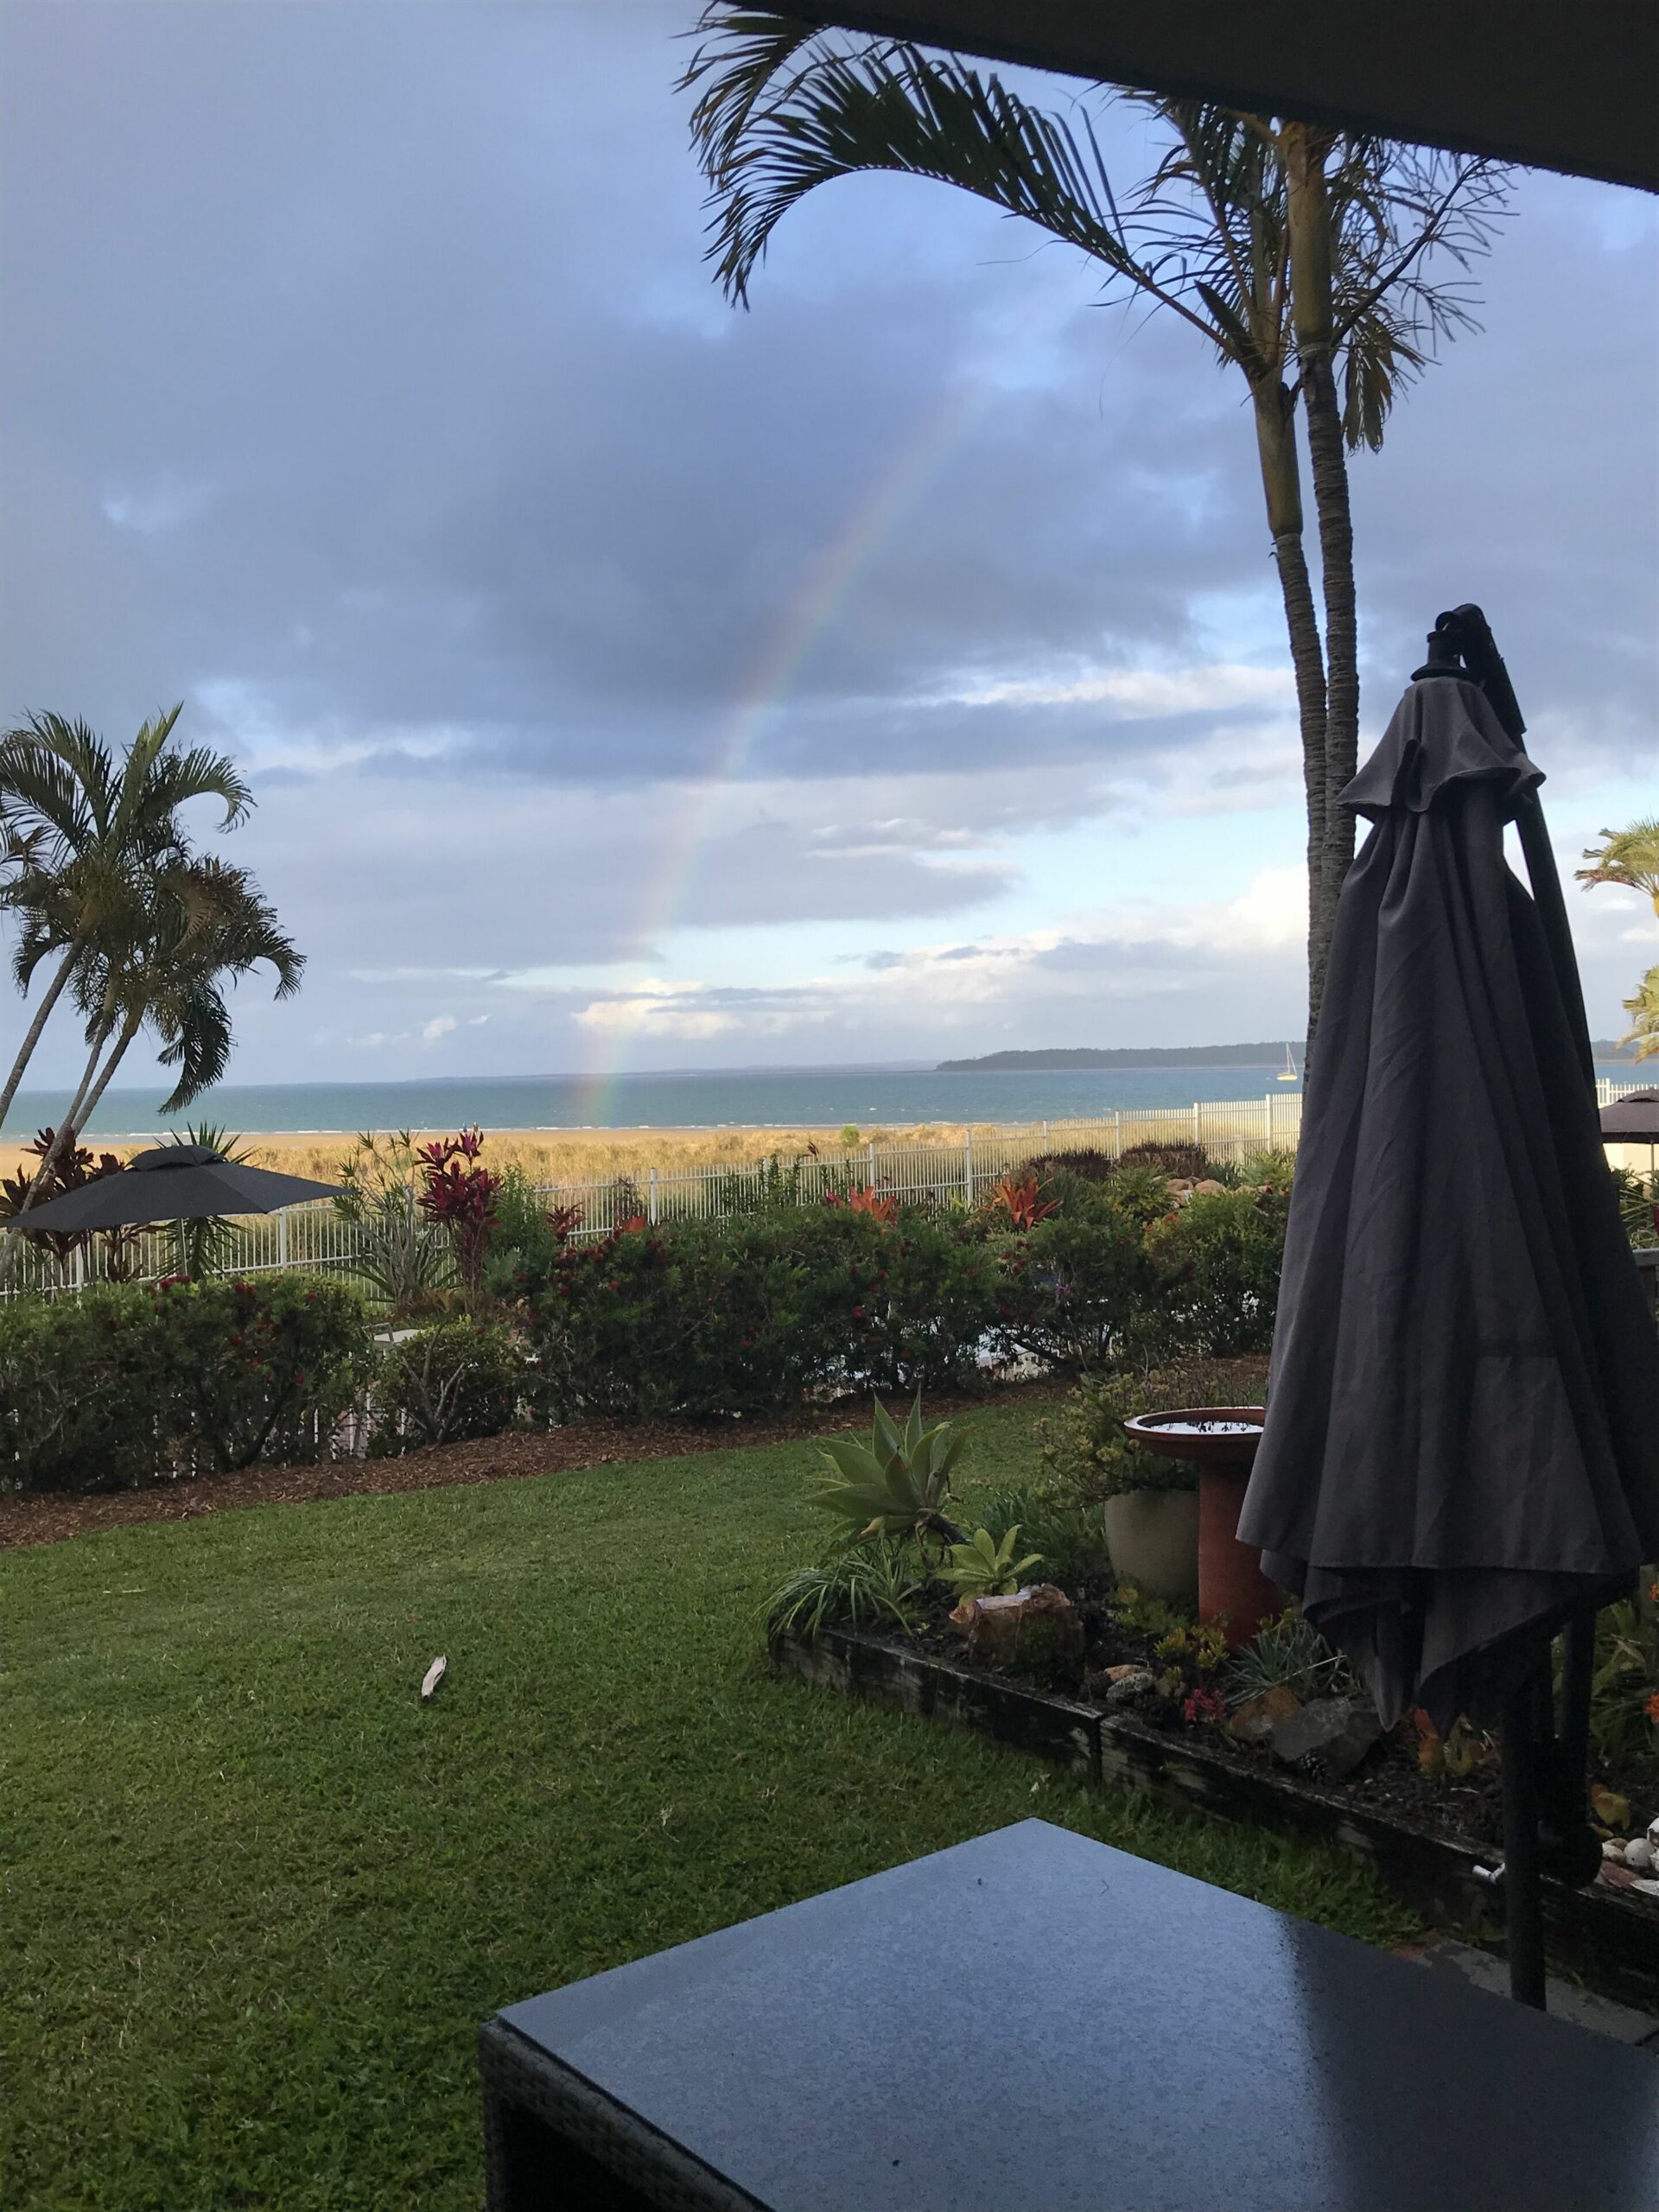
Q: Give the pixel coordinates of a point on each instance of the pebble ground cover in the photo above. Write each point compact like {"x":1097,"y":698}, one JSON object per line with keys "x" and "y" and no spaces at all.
{"x":257,"y":1898}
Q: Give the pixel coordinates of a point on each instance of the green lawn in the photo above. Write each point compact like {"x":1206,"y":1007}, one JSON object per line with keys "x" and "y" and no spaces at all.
{"x":257,"y":1898}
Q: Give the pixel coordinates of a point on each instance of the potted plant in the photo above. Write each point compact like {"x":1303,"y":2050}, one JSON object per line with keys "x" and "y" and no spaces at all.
{"x":1150,"y":1505}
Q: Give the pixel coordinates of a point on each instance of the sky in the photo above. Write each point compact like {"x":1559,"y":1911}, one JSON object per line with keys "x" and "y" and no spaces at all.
{"x":629,"y":682}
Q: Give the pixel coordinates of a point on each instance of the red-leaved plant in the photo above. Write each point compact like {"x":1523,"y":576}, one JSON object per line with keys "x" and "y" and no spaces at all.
{"x":881,"y":1205}
{"x":1022,"y":1199}
{"x":458,"y":1195}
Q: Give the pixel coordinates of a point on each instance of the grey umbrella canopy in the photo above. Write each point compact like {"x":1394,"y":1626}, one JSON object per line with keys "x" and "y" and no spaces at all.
{"x":175,"y":1182}
{"x":1462,"y":1436}
{"x":1633,"y":1119}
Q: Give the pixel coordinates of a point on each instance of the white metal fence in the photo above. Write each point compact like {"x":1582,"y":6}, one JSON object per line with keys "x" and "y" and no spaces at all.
{"x":314,"y":1235}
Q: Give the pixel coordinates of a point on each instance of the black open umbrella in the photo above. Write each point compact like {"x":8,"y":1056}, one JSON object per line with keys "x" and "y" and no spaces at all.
{"x":175,"y":1182}
{"x":1461,"y":1448}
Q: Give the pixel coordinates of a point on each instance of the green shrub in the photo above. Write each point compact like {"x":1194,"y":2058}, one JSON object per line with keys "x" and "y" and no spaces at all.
{"x":746,"y":1315}
{"x":1070,"y":1538}
{"x":1220,"y":1256}
{"x":1086,"y":1456}
{"x":79,"y":1406}
{"x":1072,"y":1287}
{"x":261,"y":1369}
{"x":1141,"y":1194}
{"x":1173,"y":1159}
{"x":441,"y":1385}
{"x":127,"y":1384}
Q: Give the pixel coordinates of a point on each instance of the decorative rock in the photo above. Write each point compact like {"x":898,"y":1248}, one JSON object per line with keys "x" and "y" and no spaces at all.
{"x":1257,"y":1717}
{"x":1336,"y":1730}
{"x":1648,"y":1889}
{"x":1639,"y":1854}
{"x":1121,"y":1673}
{"x":1613,"y":1874}
{"x":1653,"y":1835}
{"x":1203,"y":1189}
{"x":1038,"y":1623}
{"x":1130,"y":1685}
{"x":1611,"y":1850}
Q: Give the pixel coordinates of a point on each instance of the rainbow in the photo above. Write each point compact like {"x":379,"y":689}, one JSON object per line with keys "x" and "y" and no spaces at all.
{"x":825,"y":591}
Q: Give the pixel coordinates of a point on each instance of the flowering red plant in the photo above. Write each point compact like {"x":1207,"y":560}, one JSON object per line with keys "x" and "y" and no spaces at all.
{"x":1204,"y":1705}
{"x":460,"y":1200}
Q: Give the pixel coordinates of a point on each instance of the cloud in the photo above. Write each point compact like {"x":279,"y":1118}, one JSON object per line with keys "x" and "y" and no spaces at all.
{"x":578,"y":631}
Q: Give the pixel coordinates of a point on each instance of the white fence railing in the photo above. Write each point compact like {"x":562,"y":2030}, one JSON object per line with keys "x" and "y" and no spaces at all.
{"x":314,"y":1235}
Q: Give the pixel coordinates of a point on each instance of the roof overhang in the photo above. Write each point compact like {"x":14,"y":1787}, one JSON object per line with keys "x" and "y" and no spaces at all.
{"x":1569,"y":85}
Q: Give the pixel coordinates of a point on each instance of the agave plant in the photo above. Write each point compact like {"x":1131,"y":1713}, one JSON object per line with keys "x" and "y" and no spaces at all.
{"x":987,"y":1567}
{"x":898,"y":1484}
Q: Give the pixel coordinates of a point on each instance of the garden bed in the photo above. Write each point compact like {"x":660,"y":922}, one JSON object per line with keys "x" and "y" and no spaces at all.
{"x":1606,"y":1937}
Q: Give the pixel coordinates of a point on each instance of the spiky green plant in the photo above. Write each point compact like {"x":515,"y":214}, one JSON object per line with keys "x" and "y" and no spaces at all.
{"x":863,"y":1585}
{"x":898,"y":1484}
{"x":986,"y":1566}
{"x":1069,"y":1538}
{"x":1287,"y":1653}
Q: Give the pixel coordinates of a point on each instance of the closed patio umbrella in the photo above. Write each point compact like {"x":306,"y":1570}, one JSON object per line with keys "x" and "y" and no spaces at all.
{"x":174,"y":1182}
{"x":1461,"y":1445}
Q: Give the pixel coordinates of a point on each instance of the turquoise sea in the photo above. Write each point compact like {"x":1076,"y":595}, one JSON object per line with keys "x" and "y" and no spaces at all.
{"x":754,"y":1098}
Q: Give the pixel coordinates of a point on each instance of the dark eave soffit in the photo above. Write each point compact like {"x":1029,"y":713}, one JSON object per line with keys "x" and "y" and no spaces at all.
{"x":1569,"y":85}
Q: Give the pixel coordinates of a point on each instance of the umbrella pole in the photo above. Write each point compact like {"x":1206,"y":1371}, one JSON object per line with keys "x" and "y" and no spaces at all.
{"x":1523,"y":1891}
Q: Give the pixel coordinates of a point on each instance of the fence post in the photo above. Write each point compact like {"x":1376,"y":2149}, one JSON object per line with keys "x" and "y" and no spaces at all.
{"x":1198,"y":1135}
{"x":282,"y":1236}
{"x":967,"y":1164}
{"x":80,"y":1271}
{"x":869,"y":1162}
{"x":1045,"y":1140}
{"x":650,"y":1204}
{"x":1117,"y":1132}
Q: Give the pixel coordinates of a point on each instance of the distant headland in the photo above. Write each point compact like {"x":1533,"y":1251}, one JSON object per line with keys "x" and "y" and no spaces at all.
{"x":1269,"y":1055}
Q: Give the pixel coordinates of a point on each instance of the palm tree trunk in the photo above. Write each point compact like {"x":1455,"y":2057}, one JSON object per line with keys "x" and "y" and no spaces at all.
{"x":1275,"y":440}
{"x":1313,"y":309}
{"x":63,"y":1137}
{"x":32,"y":1036}
{"x":87,"y":1106}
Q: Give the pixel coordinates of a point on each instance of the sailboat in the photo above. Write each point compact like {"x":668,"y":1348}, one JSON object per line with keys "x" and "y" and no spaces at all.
{"x":1287,"y":1073}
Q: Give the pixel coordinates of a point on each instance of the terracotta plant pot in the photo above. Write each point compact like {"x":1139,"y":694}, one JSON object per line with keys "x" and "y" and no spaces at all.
{"x":1153,"y":1537}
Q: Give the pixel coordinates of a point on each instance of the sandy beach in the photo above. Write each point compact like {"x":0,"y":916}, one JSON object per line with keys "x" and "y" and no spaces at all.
{"x":555,"y":1156}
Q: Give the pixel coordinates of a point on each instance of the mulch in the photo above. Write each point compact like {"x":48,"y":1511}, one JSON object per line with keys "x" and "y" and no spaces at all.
{"x":53,"y":1517}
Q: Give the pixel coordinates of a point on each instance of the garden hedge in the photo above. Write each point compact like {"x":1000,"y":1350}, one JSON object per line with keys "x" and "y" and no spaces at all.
{"x":126,"y":1385}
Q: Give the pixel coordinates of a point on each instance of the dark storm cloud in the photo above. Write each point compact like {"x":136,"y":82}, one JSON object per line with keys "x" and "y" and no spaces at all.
{"x":366,"y":388}
{"x":386,"y":380}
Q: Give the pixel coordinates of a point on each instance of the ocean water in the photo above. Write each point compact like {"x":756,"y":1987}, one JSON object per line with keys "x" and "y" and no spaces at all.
{"x":785,"y":1098}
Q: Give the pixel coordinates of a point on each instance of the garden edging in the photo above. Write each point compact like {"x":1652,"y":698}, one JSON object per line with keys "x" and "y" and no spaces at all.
{"x":1609,"y":1941}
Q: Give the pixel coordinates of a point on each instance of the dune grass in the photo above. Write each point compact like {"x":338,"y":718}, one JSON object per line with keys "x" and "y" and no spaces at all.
{"x":256,"y":1897}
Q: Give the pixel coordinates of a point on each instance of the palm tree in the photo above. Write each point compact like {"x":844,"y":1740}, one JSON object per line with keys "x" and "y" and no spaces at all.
{"x":85,"y":838}
{"x":1631,"y":859}
{"x":207,"y":923}
{"x":1298,"y":255}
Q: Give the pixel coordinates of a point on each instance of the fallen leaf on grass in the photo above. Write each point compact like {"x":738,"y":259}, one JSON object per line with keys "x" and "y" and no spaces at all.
{"x":432,"y":1677}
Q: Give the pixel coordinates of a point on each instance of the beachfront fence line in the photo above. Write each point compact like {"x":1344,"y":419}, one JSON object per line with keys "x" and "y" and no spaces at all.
{"x":314,"y":1235}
